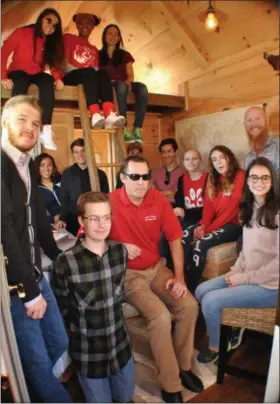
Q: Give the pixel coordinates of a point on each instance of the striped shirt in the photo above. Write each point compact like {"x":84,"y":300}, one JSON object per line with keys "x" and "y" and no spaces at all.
{"x":89,"y":291}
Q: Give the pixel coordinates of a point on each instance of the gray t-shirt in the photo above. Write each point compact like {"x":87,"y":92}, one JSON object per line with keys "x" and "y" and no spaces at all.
{"x":270,"y":151}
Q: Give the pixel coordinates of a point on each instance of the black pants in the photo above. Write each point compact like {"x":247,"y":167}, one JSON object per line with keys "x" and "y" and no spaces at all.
{"x":45,"y":83}
{"x":196,"y":252}
{"x":97,"y":84}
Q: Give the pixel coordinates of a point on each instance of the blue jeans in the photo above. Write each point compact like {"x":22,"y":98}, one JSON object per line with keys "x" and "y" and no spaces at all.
{"x":41,"y":343}
{"x":215,"y":295}
{"x":141,"y":96}
{"x":119,"y":387}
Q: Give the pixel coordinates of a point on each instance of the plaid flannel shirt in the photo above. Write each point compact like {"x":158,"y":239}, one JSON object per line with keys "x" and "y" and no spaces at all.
{"x":89,"y":290}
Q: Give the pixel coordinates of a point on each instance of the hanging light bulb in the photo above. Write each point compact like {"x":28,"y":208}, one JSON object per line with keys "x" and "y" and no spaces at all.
{"x":211,"y":22}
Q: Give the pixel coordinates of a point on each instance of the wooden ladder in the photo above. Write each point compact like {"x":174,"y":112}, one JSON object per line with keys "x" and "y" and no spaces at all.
{"x":116,"y":142}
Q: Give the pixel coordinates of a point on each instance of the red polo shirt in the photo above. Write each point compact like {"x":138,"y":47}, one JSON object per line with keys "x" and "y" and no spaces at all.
{"x":142,"y":225}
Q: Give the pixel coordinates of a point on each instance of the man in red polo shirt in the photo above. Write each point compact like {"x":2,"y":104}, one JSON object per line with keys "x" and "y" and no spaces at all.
{"x":139,"y":216}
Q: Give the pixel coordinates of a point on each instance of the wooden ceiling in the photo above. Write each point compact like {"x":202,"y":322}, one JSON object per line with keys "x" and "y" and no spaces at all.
{"x":171,"y":45}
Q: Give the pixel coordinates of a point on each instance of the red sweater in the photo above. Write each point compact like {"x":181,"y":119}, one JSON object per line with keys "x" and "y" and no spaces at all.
{"x":224,"y":208}
{"x":21,"y":43}
{"x":80,"y":53}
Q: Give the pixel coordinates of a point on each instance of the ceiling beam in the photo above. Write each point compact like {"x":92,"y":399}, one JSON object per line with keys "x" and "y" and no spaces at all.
{"x":183,"y":32}
{"x":242,"y":56}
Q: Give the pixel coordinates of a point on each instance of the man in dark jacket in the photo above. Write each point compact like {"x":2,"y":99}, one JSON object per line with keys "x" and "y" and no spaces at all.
{"x":38,"y":325}
{"x":75,"y":181}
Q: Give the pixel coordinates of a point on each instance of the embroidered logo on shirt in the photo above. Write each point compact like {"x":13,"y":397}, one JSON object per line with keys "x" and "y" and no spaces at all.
{"x":84,"y":56}
{"x":150,"y":218}
{"x":195,"y":199}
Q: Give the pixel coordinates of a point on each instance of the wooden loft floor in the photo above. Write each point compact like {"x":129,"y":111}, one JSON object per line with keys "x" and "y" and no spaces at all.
{"x":67,"y":98}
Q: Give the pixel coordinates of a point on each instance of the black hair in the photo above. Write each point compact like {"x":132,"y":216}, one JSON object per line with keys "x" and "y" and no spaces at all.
{"x":118,"y":56}
{"x":268,"y":211}
{"x":170,"y":141}
{"x":56,"y":176}
{"x":134,"y":159}
{"x":53,"y":54}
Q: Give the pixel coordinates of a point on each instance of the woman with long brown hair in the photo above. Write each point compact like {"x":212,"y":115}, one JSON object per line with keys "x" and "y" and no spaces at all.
{"x":36,"y":48}
{"x":219,"y":223}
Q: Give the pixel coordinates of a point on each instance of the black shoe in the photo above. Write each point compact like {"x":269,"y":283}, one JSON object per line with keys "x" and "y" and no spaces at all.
{"x":236,"y":337}
{"x":190,"y":381}
{"x":207,"y":356}
{"x":172,"y":397}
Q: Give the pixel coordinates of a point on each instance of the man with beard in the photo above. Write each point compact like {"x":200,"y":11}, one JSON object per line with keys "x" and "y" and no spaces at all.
{"x":262,"y":145}
{"x":38,"y":325}
{"x":139,"y":215}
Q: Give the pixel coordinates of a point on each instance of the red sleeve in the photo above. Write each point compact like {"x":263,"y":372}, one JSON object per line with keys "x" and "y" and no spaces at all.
{"x":208,"y":211}
{"x":232,"y":205}
{"x":8,"y":47}
{"x":171,"y":225}
{"x":56,"y":74}
{"x":128,"y":58}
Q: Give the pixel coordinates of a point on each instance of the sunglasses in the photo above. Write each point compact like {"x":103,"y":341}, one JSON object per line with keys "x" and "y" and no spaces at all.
{"x":50,"y":21}
{"x":167,"y":177}
{"x":136,"y":177}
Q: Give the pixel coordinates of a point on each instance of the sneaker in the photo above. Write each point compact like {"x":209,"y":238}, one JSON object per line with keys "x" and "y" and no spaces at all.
{"x":46,"y":138}
{"x":207,"y":356}
{"x":128,"y":138}
{"x":113,"y":121}
{"x":137,"y":134}
{"x":236,"y":337}
{"x":97,"y":121}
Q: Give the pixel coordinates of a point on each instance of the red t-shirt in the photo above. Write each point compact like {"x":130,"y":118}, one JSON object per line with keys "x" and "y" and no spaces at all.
{"x":21,"y":44}
{"x":118,"y":73}
{"x":142,"y":225}
{"x":80,"y":53}
{"x":224,"y":208}
{"x":193,"y":191}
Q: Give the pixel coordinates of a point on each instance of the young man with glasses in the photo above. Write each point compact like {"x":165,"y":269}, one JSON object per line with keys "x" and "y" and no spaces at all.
{"x":88,"y":281}
{"x":165,"y":179}
{"x":139,"y":216}
{"x":39,"y":328}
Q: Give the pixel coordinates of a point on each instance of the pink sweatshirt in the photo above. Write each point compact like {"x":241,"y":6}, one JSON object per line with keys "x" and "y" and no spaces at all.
{"x":258,"y":262}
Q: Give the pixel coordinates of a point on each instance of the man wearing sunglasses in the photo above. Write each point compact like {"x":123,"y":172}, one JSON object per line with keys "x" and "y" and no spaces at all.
{"x":165,"y":179}
{"x":38,"y":325}
{"x":139,"y":215}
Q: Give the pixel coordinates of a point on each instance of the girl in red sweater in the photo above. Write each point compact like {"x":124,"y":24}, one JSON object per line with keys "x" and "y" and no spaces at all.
{"x":36,"y":48}
{"x":219,"y":223}
{"x":82,"y":67}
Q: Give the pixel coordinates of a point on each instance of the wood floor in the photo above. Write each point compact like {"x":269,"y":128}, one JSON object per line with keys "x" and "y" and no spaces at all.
{"x":253,"y":355}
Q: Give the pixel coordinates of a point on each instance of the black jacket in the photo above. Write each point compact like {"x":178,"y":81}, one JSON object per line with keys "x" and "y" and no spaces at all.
{"x":14,"y":228}
{"x":71,"y":189}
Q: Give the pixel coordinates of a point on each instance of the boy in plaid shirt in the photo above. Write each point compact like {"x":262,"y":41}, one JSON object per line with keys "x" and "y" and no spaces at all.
{"x":88,"y":282}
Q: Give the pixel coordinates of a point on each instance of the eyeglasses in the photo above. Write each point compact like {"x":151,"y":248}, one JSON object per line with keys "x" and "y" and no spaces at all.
{"x":167,"y":177}
{"x":265,"y":179}
{"x":50,"y":21}
{"x":98,"y":219}
{"x":136,"y":177}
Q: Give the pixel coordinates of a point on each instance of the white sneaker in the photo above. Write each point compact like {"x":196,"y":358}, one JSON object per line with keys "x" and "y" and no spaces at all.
{"x":113,"y":121}
{"x":97,"y":121}
{"x":46,"y":138}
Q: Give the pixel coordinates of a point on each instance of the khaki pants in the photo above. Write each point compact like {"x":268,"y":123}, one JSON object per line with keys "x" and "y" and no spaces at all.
{"x":146,"y":291}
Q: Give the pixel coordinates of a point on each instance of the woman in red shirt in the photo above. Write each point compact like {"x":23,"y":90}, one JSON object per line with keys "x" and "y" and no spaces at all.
{"x":118,"y":63}
{"x":82,"y":67}
{"x":219,"y":223}
{"x":36,"y":48}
